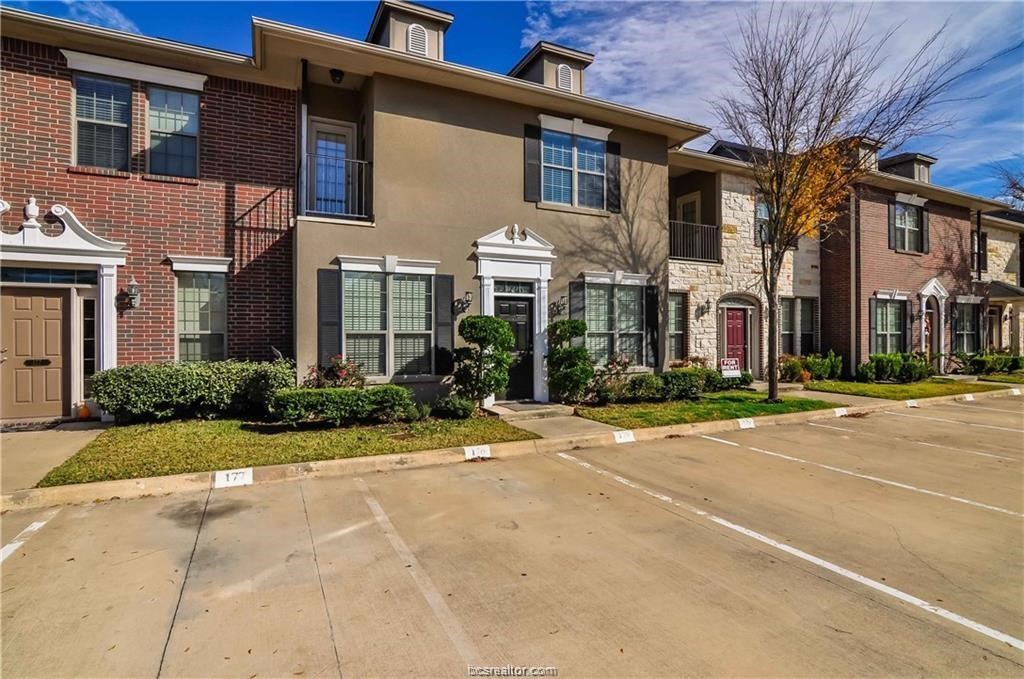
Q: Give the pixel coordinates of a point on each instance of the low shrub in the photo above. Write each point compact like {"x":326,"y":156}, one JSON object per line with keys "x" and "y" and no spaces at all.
{"x":609,"y":384}
{"x":162,"y":391}
{"x":345,"y":405}
{"x":644,"y":387}
{"x":817,"y":366}
{"x":835,"y":365}
{"x":570,"y":370}
{"x":986,"y":364}
{"x":454,"y":407}
{"x":895,"y":367}
{"x":340,"y":372}
{"x":790,"y":368}
{"x":866,"y":372}
{"x":681,"y":384}
{"x":1016,"y":363}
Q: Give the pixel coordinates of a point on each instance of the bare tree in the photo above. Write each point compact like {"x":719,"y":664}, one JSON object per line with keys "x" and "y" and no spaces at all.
{"x":1012,"y":182}
{"x":814,"y":91}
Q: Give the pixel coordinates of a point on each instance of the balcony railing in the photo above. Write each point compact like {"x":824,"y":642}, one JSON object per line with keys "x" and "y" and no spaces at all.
{"x":697,"y":242}
{"x":337,"y":187}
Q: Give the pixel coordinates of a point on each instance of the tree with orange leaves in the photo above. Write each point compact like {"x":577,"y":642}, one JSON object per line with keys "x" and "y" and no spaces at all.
{"x":813,"y":96}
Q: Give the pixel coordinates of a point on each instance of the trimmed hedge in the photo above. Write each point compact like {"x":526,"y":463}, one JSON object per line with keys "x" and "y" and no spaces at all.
{"x":817,"y":367}
{"x":894,"y":367}
{"x":986,"y":364}
{"x":454,"y":407}
{"x":163,"y":391}
{"x":671,"y":385}
{"x":345,"y":405}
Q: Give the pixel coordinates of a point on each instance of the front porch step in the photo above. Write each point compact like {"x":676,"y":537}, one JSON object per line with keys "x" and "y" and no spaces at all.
{"x":518,"y":411}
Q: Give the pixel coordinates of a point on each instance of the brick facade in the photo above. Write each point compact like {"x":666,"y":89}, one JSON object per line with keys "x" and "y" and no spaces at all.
{"x":240,"y":207}
{"x":879,"y":268}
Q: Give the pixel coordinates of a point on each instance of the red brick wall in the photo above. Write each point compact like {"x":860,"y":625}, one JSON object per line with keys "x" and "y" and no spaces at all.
{"x":240,"y":207}
{"x":880,"y":268}
{"x":835,"y":291}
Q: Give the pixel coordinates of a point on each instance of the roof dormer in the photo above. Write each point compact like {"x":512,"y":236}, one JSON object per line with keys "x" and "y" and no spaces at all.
{"x":916,"y":166}
{"x":554,"y":66}
{"x":411,"y":28}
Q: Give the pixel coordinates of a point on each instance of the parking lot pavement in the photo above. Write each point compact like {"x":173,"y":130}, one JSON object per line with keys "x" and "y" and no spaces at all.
{"x":867,"y":554}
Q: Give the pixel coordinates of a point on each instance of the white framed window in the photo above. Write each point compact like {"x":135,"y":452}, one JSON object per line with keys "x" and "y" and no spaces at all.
{"x":967,"y":337}
{"x":797,"y":324}
{"x":173,"y":132}
{"x":572,"y":169}
{"x":889,"y":326}
{"x":416,"y":40}
{"x":688,"y":208}
{"x":103,"y":111}
{"x":907,"y":227}
{"x":202,"y":315}
{"x":389,"y":322}
{"x":788,"y":325}
{"x":615,"y":322}
{"x":677,"y":312}
{"x":564,"y":77}
{"x":762,"y":215}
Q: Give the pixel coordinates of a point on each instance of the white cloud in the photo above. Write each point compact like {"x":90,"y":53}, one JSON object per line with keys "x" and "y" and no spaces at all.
{"x":673,"y":58}
{"x":100,"y":14}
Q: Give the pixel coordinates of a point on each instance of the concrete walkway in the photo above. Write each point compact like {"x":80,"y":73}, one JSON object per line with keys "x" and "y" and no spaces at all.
{"x":569,"y":425}
{"x":26,"y":456}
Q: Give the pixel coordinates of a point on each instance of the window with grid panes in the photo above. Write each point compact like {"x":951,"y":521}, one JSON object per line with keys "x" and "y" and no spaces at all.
{"x":807,"y":329}
{"x":366,"y":320}
{"x":412,"y":310}
{"x":573,"y":170}
{"x":968,"y":328}
{"x":615,"y":322}
{"x":389,"y":322}
{"x":908,"y":227}
{"x":173,"y":132}
{"x":202,"y":316}
{"x":676,"y":326}
{"x":787,"y":327}
{"x":88,"y":344}
{"x":102,"y":119}
{"x":889,"y":328}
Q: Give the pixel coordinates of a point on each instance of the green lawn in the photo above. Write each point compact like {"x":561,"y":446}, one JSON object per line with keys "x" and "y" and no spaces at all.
{"x":934,"y":386}
{"x":199,"y":445}
{"x":726,"y":405}
{"x":1011,"y":378}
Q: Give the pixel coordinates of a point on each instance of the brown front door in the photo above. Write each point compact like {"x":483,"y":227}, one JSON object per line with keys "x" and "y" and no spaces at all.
{"x":518,"y":313}
{"x":32,"y":346}
{"x":736,"y":335}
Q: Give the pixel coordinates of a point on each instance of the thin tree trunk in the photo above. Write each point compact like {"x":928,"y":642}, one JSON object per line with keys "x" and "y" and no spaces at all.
{"x":773,"y":342}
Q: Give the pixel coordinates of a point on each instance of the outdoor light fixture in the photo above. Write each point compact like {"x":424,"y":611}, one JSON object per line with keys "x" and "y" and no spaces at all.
{"x":337,"y":75}
{"x":133,"y":293}
{"x":558,"y":307}
{"x":461,"y":306}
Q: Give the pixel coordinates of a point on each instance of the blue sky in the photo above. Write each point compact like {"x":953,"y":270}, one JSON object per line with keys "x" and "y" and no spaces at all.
{"x":668,"y":57}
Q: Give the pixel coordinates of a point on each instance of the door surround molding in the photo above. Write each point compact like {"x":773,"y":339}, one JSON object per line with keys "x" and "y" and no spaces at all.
{"x":518,"y":253}
{"x":752,"y":307}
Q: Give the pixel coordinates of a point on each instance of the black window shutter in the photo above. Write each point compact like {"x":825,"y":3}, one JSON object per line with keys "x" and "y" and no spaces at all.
{"x":613,"y":151}
{"x":577,"y":300}
{"x":651,"y":353}
{"x":328,"y":314}
{"x":871,"y":328}
{"x":816,"y":306}
{"x":892,"y":225}
{"x":531,"y":168}
{"x":444,"y":324}
{"x":908,"y":327}
{"x":924,"y":230}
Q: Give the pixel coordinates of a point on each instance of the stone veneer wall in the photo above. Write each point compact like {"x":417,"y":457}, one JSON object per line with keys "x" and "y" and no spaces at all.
{"x":739,"y":274}
{"x":1002,"y":266}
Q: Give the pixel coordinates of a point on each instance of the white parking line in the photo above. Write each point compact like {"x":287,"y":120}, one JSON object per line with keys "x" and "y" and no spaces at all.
{"x":800,"y":554}
{"x":712,"y":438}
{"x":943,"y":419}
{"x":996,"y":410}
{"x":22,"y":537}
{"x":829,"y":426}
{"x":897,"y":484}
{"x":452,"y":627}
{"x":964,"y":450}
{"x":921,"y":443}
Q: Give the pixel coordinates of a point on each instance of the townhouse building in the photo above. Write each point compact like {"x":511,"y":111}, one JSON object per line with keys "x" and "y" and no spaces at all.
{"x":330,"y":195}
{"x":999,"y":265}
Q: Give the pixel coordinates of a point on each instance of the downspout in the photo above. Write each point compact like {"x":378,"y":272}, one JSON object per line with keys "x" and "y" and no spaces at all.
{"x":304,"y":117}
{"x":983,"y":316}
{"x":854,"y":292}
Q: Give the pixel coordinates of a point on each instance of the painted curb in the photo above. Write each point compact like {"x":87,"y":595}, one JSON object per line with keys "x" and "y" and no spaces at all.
{"x":83,"y":493}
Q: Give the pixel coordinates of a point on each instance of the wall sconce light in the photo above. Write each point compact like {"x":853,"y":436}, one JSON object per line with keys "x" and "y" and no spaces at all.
{"x":337,"y":75}
{"x":558,"y":307}
{"x":133,"y":294}
{"x":703,"y":308}
{"x":461,"y":306}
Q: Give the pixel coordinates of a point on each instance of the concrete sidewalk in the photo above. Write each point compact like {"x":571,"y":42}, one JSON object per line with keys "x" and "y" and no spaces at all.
{"x":27,"y":456}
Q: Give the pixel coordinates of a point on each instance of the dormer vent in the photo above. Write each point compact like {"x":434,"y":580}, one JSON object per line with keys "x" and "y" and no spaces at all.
{"x":916,"y":166}
{"x":554,"y":66}
{"x":416,"y":39}
{"x":410,"y":28}
{"x":564,"y":77}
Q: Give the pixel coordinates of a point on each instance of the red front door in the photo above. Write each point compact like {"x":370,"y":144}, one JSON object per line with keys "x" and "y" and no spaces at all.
{"x":736,"y":335}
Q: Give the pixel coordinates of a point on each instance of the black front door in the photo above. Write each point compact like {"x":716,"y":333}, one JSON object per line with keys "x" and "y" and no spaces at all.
{"x":518,"y":312}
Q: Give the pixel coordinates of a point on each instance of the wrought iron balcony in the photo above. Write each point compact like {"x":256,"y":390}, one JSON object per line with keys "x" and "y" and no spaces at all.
{"x":337,"y":187}
{"x":696,"y":242}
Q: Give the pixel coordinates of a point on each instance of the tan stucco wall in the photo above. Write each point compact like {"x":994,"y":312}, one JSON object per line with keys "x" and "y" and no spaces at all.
{"x":739,"y":274}
{"x":448,"y":169}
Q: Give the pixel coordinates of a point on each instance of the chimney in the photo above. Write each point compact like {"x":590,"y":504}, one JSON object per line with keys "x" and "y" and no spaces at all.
{"x":411,"y":28}
{"x":916,"y":166}
{"x":554,"y":66}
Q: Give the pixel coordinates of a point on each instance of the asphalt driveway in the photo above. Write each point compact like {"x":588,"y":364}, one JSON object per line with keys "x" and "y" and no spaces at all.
{"x":881,"y":545}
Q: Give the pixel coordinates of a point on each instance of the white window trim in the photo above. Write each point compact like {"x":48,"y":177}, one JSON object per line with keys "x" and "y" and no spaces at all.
{"x":227,"y":301}
{"x":200,"y":264}
{"x":619,"y":280}
{"x":387,"y":264}
{"x":900,"y":333}
{"x":688,"y":198}
{"x":312,"y":125}
{"x":130,"y":70}
{"x":615,"y":278}
{"x":891,"y":294}
{"x":574,"y":126}
{"x":75,"y":120}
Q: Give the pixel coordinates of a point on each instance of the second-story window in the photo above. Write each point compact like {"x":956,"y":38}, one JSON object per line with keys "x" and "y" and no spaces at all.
{"x":761,"y":217}
{"x":573,"y":170}
{"x":173,"y":132}
{"x":102,"y":119}
{"x":907,"y":227}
